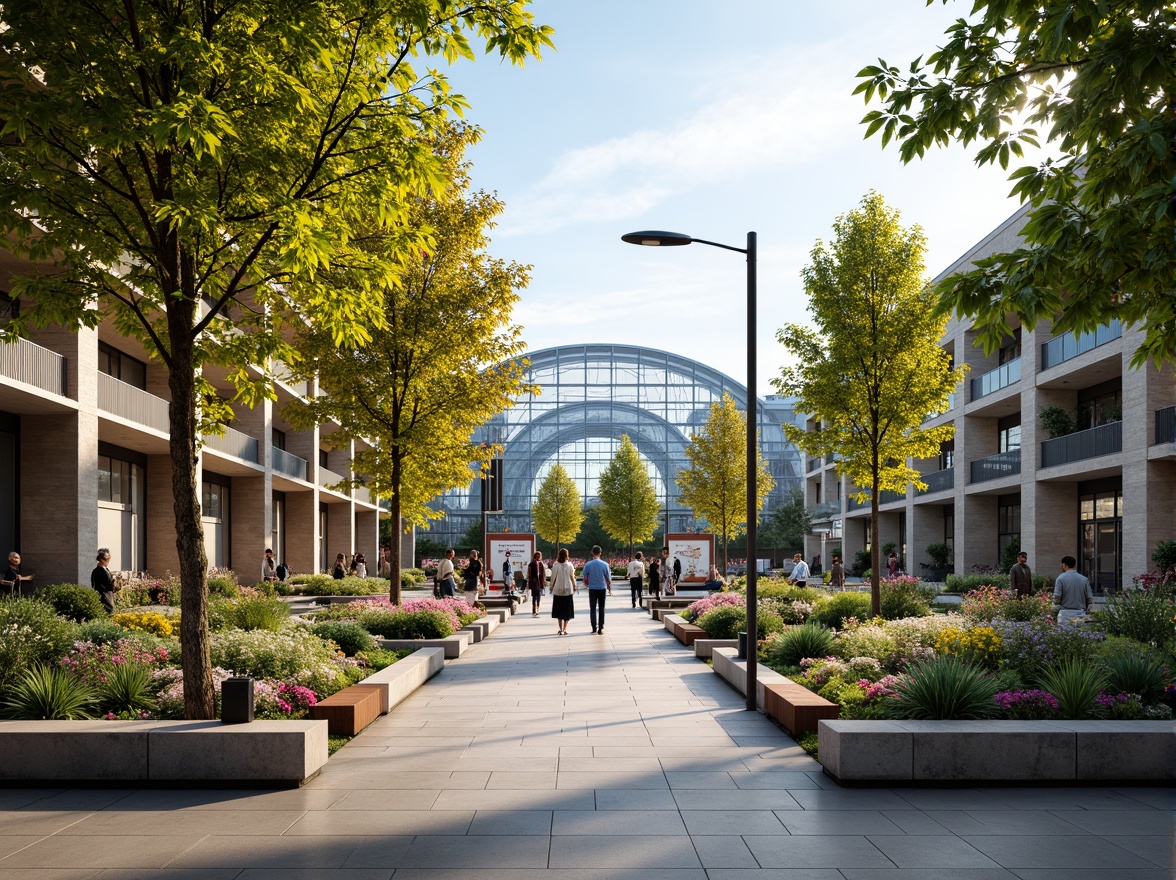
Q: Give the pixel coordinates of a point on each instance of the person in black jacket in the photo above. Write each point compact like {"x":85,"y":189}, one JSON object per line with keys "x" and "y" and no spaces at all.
{"x":102,"y":581}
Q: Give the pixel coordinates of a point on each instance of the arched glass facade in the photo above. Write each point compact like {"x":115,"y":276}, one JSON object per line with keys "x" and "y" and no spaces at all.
{"x":589,"y":396}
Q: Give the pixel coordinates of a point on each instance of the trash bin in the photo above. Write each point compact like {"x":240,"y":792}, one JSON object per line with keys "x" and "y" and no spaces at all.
{"x":742,"y":645}
{"x":237,"y":701}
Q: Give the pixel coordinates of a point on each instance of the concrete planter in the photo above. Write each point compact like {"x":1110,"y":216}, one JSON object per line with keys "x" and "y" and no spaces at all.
{"x":704,"y":648}
{"x":453,"y":646}
{"x":997,"y":751}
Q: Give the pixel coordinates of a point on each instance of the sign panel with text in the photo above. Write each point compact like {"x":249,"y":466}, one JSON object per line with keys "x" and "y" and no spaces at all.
{"x":507,"y":553}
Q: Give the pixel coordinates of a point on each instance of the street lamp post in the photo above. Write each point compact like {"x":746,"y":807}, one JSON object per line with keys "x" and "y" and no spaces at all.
{"x":654,"y":238}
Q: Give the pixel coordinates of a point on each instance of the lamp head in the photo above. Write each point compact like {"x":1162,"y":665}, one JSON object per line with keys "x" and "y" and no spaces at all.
{"x":657,"y":238}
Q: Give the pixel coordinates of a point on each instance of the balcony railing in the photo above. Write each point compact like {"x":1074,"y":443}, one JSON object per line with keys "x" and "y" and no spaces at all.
{"x":234,"y":443}
{"x":1091,"y":443}
{"x":994,"y":380}
{"x":364,"y":494}
{"x":887,"y":497}
{"x":938,"y":481}
{"x":812,"y":465}
{"x":328,"y":478}
{"x":1061,"y":348}
{"x":1166,"y":425}
{"x":133,"y":404}
{"x":824,"y":510}
{"x":286,"y":464}
{"x":27,"y":362}
{"x":1003,"y":464}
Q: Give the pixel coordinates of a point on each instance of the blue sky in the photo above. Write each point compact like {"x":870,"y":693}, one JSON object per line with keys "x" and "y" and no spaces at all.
{"x":711,"y":119}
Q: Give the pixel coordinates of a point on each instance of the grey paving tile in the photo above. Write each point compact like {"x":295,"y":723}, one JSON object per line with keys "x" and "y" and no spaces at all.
{"x":533,"y":799}
{"x":315,"y":874}
{"x":724,"y":852}
{"x":115,"y":823}
{"x":928,"y":874}
{"x":939,"y":852}
{"x":915,"y":822}
{"x":545,"y":874}
{"x":816,"y":851}
{"x":1072,"y":851}
{"x":736,"y":799}
{"x":1117,"y":823}
{"x":168,"y":874}
{"x":1157,"y":798}
{"x":17,"y":823}
{"x":774,"y":874}
{"x":269,"y":852}
{"x":644,"y":823}
{"x":844,"y":822}
{"x":612,"y":780}
{"x":144,"y":851}
{"x":9,"y":845}
{"x":48,"y":873}
{"x":612,"y":852}
{"x":699,"y":779}
{"x":850,"y":799}
{"x":701,"y":823}
{"x":1092,"y":874}
{"x":381,"y":823}
{"x":439,"y":852}
{"x":521,"y":780}
{"x":1028,"y":822}
{"x":384,"y":799}
{"x":781,"y":779}
{"x":81,"y":799}
{"x":1156,"y":848}
{"x":242,"y":799}
{"x":519,"y":822}
{"x":634,"y":799}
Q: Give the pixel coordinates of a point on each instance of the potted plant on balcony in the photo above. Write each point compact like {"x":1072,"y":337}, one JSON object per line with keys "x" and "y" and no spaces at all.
{"x":940,"y":566}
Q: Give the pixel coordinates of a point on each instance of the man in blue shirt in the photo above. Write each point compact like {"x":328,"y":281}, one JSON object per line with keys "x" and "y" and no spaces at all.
{"x":598,"y":580}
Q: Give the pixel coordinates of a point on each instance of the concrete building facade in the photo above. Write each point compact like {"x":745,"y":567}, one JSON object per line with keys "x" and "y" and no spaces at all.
{"x":84,"y":464}
{"x":1105,"y":492}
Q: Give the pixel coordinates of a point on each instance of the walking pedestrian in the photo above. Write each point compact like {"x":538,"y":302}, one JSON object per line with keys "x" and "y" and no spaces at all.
{"x":636,"y":572}
{"x":837,"y":574}
{"x":536,"y":578}
{"x":447,"y":575}
{"x":563,"y":590}
{"x":1072,"y":592}
{"x":507,"y":575}
{"x":892,"y":564}
{"x":598,"y":580}
{"x":677,"y":577}
{"x":473,"y":576}
{"x":102,"y":580}
{"x":800,"y":571}
{"x":1021,"y":577}
{"x":654,"y":578}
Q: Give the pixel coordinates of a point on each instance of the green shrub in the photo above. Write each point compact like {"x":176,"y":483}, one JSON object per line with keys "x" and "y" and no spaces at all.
{"x":72,"y":601}
{"x":378,"y":658}
{"x":727,"y":621}
{"x":30,"y":634}
{"x":128,"y":690}
{"x":249,"y":612}
{"x":101,"y":631}
{"x":965,"y":583}
{"x":223,"y":582}
{"x":791,"y":592}
{"x":867,"y":640}
{"x":944,"y":688}
{"x":834,"y":610}
{"x":1138,"y":674}
{"x":410,"y":577}
{"x":292,"y":654}
{"x":394,"y":624}
{"x":1075,"y":685}
{"x":1165,"y":555}
{"x":49,"y":693}
{"x":798,"y":642}
{"x":905,"y":597}
{"x":325,"y":585}
{"x":350,"y":637}
{"x":1141,"y":614}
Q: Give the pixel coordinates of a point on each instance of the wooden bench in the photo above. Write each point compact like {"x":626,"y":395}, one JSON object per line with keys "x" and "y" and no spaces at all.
{"x":686,"y":633}
{"x":350,"y":710}
{"x":797,"y":708}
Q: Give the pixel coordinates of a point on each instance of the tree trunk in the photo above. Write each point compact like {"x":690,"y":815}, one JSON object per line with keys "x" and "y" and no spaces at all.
{"x":199,"y":697}
{"x":875,"y":554}
{"x":394,"y":560}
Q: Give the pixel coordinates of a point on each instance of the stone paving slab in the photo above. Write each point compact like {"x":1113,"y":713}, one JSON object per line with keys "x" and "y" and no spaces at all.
{"x":584,"y":757}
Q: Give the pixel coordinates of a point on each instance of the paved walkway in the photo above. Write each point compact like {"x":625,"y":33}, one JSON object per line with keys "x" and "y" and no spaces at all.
{"x":610,"y":757}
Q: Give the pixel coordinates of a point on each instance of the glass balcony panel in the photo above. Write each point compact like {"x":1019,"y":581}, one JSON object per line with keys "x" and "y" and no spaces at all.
{"x":995,"y":380}
{"x":1066,"y":346}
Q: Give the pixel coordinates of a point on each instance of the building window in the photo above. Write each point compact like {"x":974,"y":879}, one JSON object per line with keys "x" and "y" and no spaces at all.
{"x":1009,"y":433}
{"x":121,"y":366}
{"x":212,"y":501}
{"x":116,"y":480}
{"x":323,"y":458}
{"x":9,"y":308}
{"x":1100,"y":537}
{"x":947,"y":455}
{"x":1008,"y":517}
{"x":278,"y":439}
{"x":1102,"y":409}
{"x":949,"y":529}
{"x":1011,"y":350}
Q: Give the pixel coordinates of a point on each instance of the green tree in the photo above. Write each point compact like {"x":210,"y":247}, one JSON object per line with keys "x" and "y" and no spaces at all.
{"x":558,"y":511}
{"x":787,"y":524}
{"x":628,"y":502}
{"x":1099,"y":79}
{"x":189,"y":169}
{"x":440,"y":364}
{"x":715,"y":482}
{"x":872,"y":369}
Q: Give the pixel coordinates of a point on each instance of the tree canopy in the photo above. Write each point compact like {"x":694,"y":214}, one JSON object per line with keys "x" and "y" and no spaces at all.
{"x":558,"y":511}
{"x":440,"y":362}
{"x":870,"y":370}
{"x":190,"y":170}
{"x":715,"y":482}
{"x":628,"y":502}
{"x":1095,"y":80}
